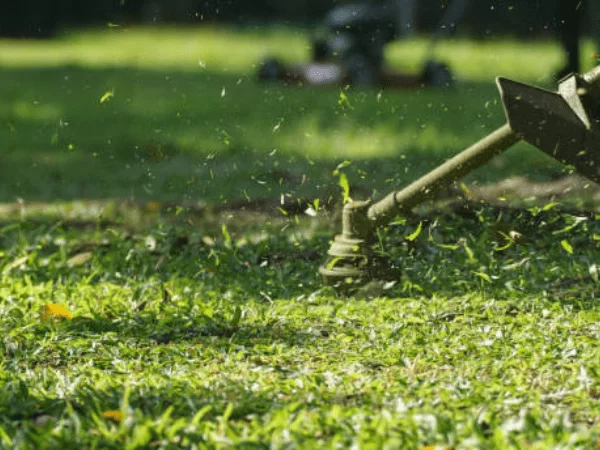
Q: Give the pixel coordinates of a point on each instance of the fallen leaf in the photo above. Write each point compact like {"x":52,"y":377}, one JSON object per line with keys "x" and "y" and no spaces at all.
{"x":115,"y":416}
{"x":54,"y":311}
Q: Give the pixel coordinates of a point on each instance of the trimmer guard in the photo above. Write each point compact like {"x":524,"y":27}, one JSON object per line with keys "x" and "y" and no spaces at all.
{"x":558,"y":123}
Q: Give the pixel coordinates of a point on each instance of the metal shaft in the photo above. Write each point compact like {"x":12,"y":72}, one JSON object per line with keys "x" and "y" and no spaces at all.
{"x":593,"y":76}
{"x":440,"y":178}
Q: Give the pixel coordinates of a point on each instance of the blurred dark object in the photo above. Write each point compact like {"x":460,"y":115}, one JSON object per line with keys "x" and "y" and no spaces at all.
{"x":42,"y":18}
{"x":331,"y":73}
{"x":352,"y":49}
{"x":23,"y":18}
{"x":178,"y":11}
{"x":569,"y":26}
{"x":356,"y":35}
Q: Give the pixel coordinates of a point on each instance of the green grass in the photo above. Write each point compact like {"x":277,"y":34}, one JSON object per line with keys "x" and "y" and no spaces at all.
{"x":152,"y":216}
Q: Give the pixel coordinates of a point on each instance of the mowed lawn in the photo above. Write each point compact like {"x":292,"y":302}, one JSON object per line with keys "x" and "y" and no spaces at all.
{"x":177,"y":211}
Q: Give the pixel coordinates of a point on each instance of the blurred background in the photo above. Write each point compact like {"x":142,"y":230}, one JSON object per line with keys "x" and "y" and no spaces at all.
{"x":158,"y":101}
{"x":38,"y":18}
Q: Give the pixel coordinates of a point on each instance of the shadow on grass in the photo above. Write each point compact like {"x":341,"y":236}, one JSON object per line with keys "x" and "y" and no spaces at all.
{"x":23,"y":407}
{"x":221,"y":333}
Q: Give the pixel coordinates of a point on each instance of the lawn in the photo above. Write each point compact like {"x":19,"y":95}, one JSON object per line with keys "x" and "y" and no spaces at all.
{"x":158,"y":194}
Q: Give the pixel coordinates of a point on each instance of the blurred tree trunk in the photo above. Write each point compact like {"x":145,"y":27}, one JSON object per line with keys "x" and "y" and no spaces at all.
{"x":594,"y":7}
{"x":406,"y":14}
{"x":27,"y":18}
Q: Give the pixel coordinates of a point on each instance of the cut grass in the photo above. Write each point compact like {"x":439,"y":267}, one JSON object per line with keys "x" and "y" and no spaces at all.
{"x":149,"y":187}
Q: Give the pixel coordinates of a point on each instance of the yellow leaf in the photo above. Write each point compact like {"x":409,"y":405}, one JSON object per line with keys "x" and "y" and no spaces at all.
{"x":343,"y":183}
{"x":567,"y":247}
{"x":107,"y":96}
{"x":483,"y":276}
{"x":115,"y":416}
{"x":343,"y":100}
{"x":226,"y":234}
{"x":152,"y":206}
{"x":415,"y":234}
{"x":79,"y":259}
{"x":15,"y":264}
{"x":54,"y":311}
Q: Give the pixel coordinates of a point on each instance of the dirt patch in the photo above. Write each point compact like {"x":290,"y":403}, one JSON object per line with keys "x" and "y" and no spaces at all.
{"x":521,"y":189}
{"x":573,"y":192}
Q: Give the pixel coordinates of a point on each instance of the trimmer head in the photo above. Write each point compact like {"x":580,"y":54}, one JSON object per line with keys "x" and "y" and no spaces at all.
{"x":352,"y":262}
{"x":348,"y":259}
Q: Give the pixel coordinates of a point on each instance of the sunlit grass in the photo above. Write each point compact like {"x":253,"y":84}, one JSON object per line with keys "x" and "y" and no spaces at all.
{"x":239,"y":50}
{"x":187,"y":49}
{"x":483,"y":60}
